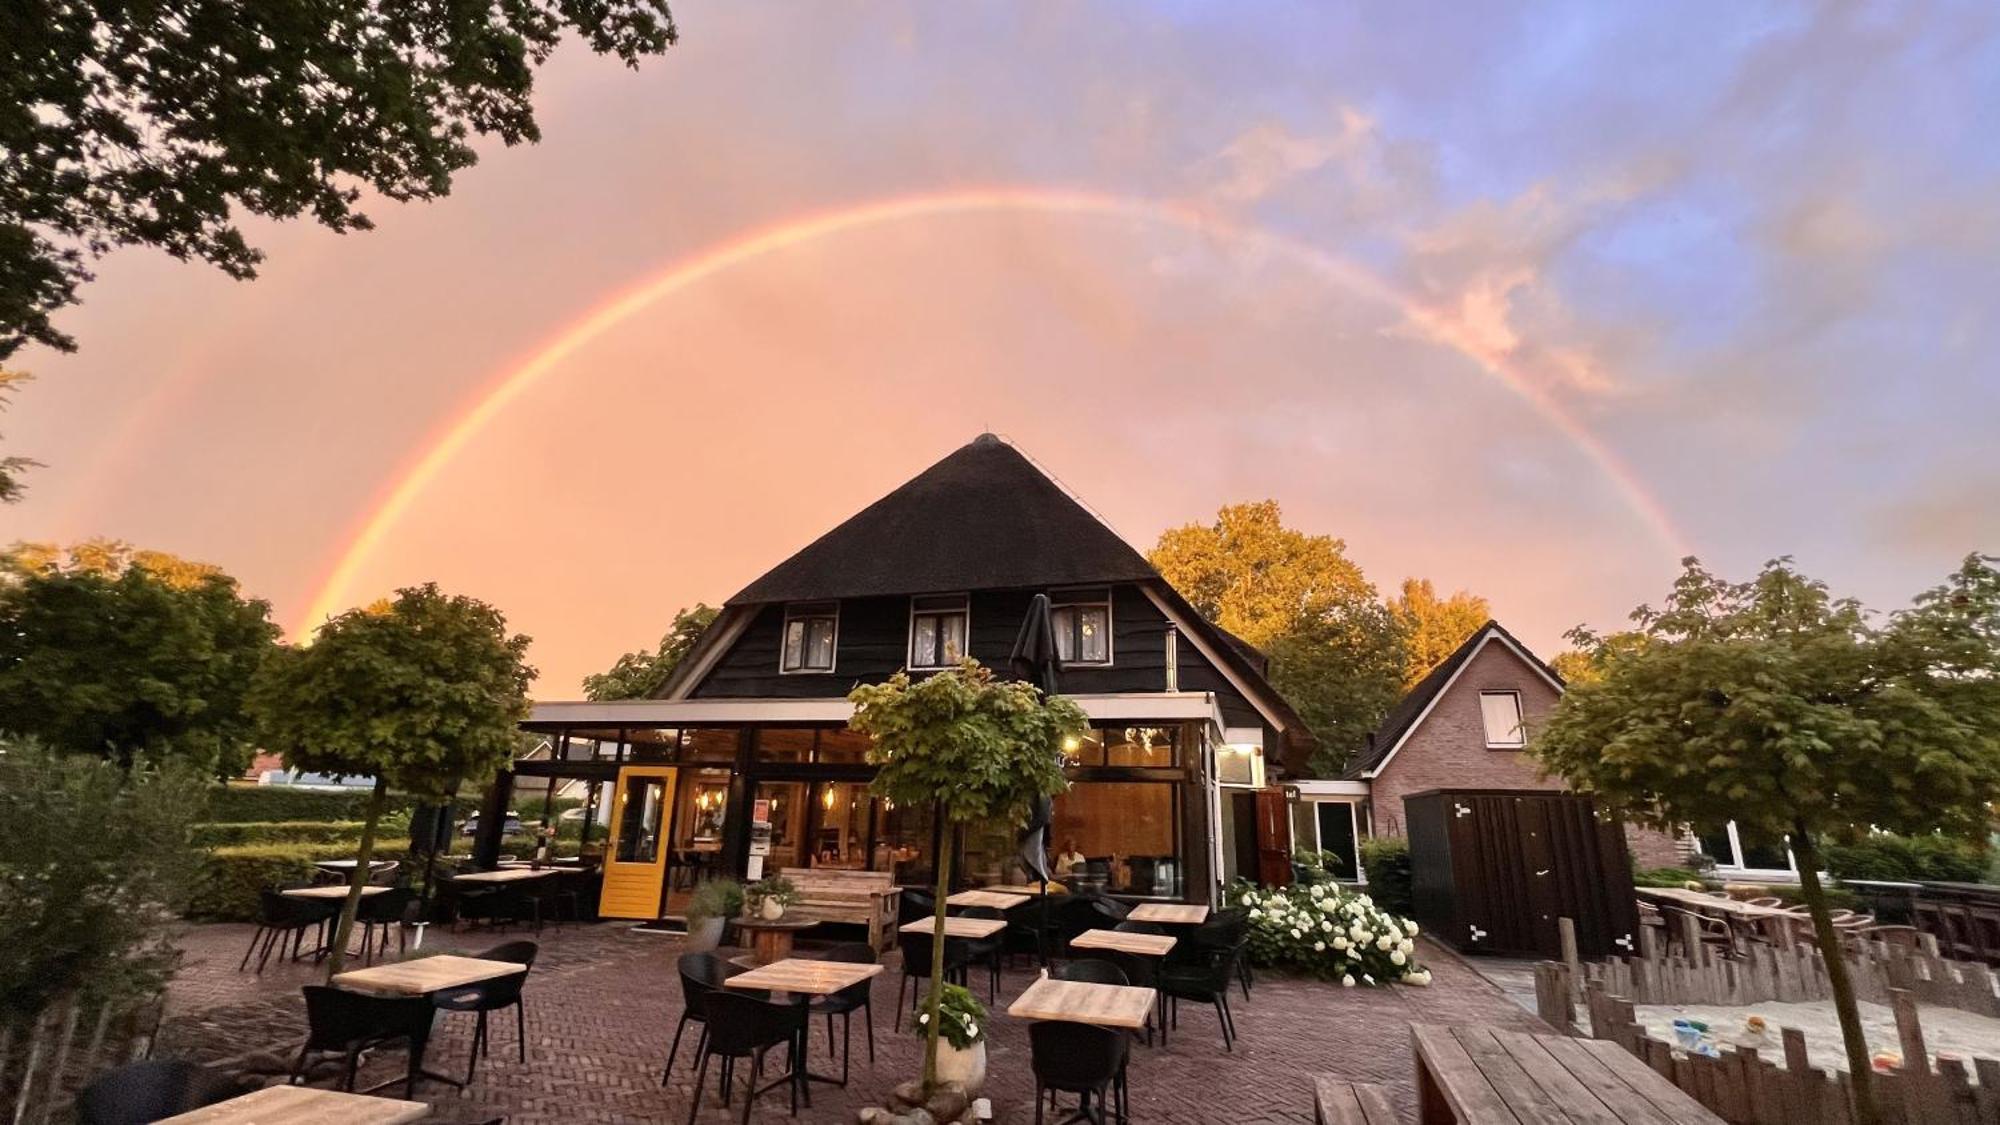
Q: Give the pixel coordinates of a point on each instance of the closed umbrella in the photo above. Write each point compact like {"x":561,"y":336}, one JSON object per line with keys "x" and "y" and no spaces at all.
{"x":1035,"y":659}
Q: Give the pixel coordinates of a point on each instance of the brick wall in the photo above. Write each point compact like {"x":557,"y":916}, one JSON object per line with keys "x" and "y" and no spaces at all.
{"x":1447,"y":750}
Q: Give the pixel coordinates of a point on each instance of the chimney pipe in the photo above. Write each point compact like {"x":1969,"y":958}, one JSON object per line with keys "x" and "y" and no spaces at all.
{"x":1173,"y":657}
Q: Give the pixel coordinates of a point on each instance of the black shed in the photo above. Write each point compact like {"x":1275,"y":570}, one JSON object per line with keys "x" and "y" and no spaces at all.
{"x":1492,"y":870}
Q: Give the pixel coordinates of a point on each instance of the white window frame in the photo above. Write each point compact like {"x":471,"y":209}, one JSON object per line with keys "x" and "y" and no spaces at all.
{"x":1520,"y":720}
{"x":1085,"y":597}
{"x":1734,"y":864}
{"x":1360,"y":875}
{"x":964,"y":613}
{"x":809,"y":611}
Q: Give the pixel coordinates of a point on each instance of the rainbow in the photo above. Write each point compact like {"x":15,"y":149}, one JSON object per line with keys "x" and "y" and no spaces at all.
{"x":403,"y":490}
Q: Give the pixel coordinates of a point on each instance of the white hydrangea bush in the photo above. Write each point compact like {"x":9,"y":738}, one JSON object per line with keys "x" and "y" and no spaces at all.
{"x":1329,"y":931}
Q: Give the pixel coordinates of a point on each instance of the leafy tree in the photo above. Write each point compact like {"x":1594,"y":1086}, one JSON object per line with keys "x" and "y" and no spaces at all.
{"x":1433,"y":627}
{"x":11,"y":468}
{"x":1574,"y":666}
{"x":1795,"y":714}
{"x":154,"y":124}
{"x":1336,"y":652}
{"x":638,"y":675}
{"x":973,"y":747}
{"x":422,"y":693}
{"x":130,"y":654}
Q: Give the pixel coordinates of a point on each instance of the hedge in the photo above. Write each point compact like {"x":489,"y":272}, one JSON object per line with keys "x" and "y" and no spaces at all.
{"x":277,"y":832}
{"x":1386,"y":860}
{"x":258,"y":804}
{"x":1907,"y":859}
{"x":227,"y":888}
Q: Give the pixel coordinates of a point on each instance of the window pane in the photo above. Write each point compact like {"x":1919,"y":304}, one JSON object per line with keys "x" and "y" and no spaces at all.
{"x":653,"y":745}
{"x":702,"y":803}
{"x":1093,"y":635}
{"x":1763,"y":852}
{"x":1715,"y":845}
{"x":639,"y":821}
{"x":839,"y":832}
{"x":903,"y":840}
{"x":988,"y":857}
{"x":923,"y":644}
{"x":1139,"y":746}
{"x":712,"y":745}
{"x":820,"y":639}
{"x":1086,"y":749}
{"x":953,"y":648}
{"x":1125,"y":832}
{"x":1336,"y":835}
{"x":784,"y":745}
{"x":795,"y":644}
{"x":1501,"y":712}
{"x":788,"y":819}
{"x":1065,"y":626}
{"x":843,"y":746}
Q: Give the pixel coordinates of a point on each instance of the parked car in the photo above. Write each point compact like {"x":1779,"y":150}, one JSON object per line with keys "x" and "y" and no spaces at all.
{"x":513,"y":826}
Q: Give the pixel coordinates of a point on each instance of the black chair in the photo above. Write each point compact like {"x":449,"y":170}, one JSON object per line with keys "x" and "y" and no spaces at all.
{"x":744,"y":1027}
{"x":280,"y":919}
{"x":701,"y":975}
{"x":348,"y":1023}
{"x":379,"y":914}
{"x":1075,"y":914}
{"x":1092,"y":970}
{"x":1028,"y":928}
{"x":1204,"y":977}
{"x":913,"y":905}
{"x":917,"y":950}
{"x":1110,"y":908}
{"x":987,"y":951}
{"x":493,"y":995}
{"x":144,"y":1092}
{"x":1077,"y":1058}
{"x":844,"y":1003}
{"x":1231,"y":927}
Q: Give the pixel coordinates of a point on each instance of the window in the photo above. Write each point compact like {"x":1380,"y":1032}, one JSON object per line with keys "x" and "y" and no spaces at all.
{"x":1501,"y":712}
{"x":1330,"y":826}
{"x":1141,"y":747}
{"x":1083,"y":626}
{"x":810,"y":630}
{"x":1126,"y":834}
{"x":937,"y":630}
{"x":1733,"y":849}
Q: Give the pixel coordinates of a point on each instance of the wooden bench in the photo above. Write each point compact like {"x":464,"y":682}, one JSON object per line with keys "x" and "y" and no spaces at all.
{"x":866,"y":898}
{"x":1351,"y":1103}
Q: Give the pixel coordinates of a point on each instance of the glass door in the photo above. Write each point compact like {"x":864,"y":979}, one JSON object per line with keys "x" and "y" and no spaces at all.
{"x":635,"y":863}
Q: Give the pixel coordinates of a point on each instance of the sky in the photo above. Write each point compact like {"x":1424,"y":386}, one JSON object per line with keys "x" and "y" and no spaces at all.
{"x":1527,"y":300}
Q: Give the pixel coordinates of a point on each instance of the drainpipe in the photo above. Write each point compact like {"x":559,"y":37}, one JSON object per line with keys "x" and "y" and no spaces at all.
{"x":1173,"y":657}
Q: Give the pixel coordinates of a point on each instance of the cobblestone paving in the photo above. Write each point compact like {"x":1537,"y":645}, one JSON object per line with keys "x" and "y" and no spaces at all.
{"x":603,"y":1000}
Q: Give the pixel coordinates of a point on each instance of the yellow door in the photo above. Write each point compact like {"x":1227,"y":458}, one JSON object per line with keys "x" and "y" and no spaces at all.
{"x":635,"y":865}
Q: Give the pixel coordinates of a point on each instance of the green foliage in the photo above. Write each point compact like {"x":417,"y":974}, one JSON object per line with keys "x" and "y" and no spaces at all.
{"x":1336,"y":651}
{"x":213,"y":835}
{"x":97,"y":860}
{"x":132,"y":655}
{"x":11,"y":468}
{"x":771,"y":888}
{"x":1433,"y":627}
{"x":1329,"y":931}
{"x":639,"y":675}
{"x":1311,"y":866}
{"x":1386,"y":861}
{"x":715,"y":898}
{"x":249,"y":804}
{"x":1665,"y":877}
{"x":157,"y":124}
{"x":1907,"y":859}
{"x":230,"y":878}
{"x":961,"y":1017}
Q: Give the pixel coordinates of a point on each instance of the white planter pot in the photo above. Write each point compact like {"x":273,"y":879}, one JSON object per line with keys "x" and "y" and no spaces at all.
{"x":705,"y":935}
{"x":967,"y":1067}
{"x":772,"y":910}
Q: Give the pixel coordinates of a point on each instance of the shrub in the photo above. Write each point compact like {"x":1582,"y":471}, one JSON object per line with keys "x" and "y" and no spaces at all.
{"x":1931,"y":858}
{"x":1386,"y":860}
{"x":1329,"y":931}
{"x":961,"y":1017}
{"x":277,"y":832}
{"x":715,"y":898}
{"x":227,"y":886}
{"x":1665,"y":877}
{"x":240,"y":804}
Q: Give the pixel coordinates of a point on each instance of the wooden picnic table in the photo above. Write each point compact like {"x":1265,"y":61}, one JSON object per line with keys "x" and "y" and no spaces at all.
{"x":1169,"y":913}
{"x":1483,"y":1076}
{"x":955,"y":926}
{"x":348,"y":865}
{"x":301,"y":1105}
{"x":1105,"y":1005}
{"x":1696,"y":900}
{"x":999,"y":900}
{"x":1145,"y":945}
{"x":422,"y":976}
{"x":504,"y":875}
{"x":338,"y":890}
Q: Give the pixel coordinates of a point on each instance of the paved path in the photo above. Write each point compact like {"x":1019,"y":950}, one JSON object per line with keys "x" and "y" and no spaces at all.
{"x":603,"y":1000}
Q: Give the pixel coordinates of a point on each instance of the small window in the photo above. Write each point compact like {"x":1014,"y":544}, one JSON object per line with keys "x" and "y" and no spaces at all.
{"x":810,"y":632}
{"x":938,"y":626}
{"x":1083,"y":626}
{"x":1501,"y":712}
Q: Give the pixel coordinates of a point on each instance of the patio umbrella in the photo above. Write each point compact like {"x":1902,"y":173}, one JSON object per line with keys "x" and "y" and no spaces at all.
{"x":1034,"y":659}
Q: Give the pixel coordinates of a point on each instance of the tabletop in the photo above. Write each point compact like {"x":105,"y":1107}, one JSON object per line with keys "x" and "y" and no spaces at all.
{"x":805,"y":974}
{"x":1696,"y":900}
{"x":1479,"y":1075}
{"x":504,"y":875}
{"x":996,"y":899}
{"x":425,"y":975}
{"x":1032,"y":890}
{"x":1106,"y":1005}
{"x":300,"y":1105}
{"x":348,"y":864}
{"x":1145,"y":945}
{"x":338,"y":890}
{"x":957,"y":927}
{"x":1172,"y":913}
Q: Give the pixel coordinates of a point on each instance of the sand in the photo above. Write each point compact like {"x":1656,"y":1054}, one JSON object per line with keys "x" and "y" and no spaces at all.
{"x":1945,"y":1029}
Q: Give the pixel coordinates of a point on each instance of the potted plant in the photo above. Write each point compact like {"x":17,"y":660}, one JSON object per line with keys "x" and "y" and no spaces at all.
{"x":711,"y":906}
{"x":961,"y":1051}
{"x":768,"y":897}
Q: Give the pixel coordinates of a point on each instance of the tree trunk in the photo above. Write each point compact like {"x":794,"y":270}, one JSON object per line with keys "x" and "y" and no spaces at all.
{"x":337,"y":960}
{"x":1806,"y":850}
{"x":937,"y":957}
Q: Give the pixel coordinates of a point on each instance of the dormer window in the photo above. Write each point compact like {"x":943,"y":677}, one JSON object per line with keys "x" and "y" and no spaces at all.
{"x":1083,"y":625}
{"x":811,"y":632}
{"x":938,"y":628}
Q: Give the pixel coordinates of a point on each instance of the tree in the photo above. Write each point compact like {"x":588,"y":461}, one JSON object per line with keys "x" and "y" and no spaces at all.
{"x":1574,"y":666}
{"x":973,"y":747}
{"x":153,"y":124}
{"x":422,"y":693}
{"x":1336,"y":652}
{"x":129,"y":654}
{"x":11,"y":468}
{"x":1433,"y":627}
{"x":1794,"y":714}
{"x":637,"y":675}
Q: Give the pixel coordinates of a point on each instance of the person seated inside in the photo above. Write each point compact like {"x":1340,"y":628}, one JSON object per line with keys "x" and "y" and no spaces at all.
{"x":1068,"y":859}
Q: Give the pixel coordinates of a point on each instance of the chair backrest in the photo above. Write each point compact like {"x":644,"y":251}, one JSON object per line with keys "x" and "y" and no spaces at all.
{"x":1138,"y":970}
{"x":914,"y":904}
{"x":1129,"y":927}
{"x":857,"y":952}
{"x":1093,"y":970}
{"x":385,"y":907}
{"x":993,"y":912}
{"x":144,"y":1092}
{"x":1075,"y":915}
{"x":739,"y":1024}
{"x":916,"y":949}
{"x":274,"y":909}
{"x":518,"y":952}
{"x":336,"y":1017}
{"x":1110,"y":908}
{"x":1076,"y":1056}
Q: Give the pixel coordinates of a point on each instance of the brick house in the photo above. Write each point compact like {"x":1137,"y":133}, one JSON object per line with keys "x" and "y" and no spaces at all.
{"x":1463,"y":726}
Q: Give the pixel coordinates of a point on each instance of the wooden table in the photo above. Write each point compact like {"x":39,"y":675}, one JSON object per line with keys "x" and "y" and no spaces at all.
{"x":1105,"y":1005}
{"x":955,"y":926}
{"x":1145,"y":945}
{"x":996,"y":899}
{"x":346,"y":866}
{"x":422,"y":978}
{"x":1478,"y":1075}
{"x":1169,"y":913}
{"x":804,"y":978}
{"x":504,"y":875}
{"x":771,"y":939}
{"x":1695,"y":900}
{"x":300,"y":1105}
{"x":339,"y":891}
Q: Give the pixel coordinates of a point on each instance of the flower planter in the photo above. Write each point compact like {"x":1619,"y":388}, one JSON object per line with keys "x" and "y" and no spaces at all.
{"x":967,"y":1067}
{"x":771,"y":910}
{"x":705,"y":935}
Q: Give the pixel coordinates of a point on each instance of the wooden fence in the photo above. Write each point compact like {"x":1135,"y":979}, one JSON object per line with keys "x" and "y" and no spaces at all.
{"x":1745,"y":1088}
{"x":46,"y":1058}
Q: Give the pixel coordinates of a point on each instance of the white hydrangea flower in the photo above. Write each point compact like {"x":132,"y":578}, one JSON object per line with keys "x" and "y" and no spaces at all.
{"x":1366,"y":977}
{"x":1347,"y":981}
{"x":1406,"y":945}
{"x":1384,"y":942}
{"x":1421,"y":978}
{"x":1396,"y":957}
{"x":1319,"y":947}
{"x":1410,"y":928}
{"x":1339,"y":942}
{"x":1317,"y":891}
